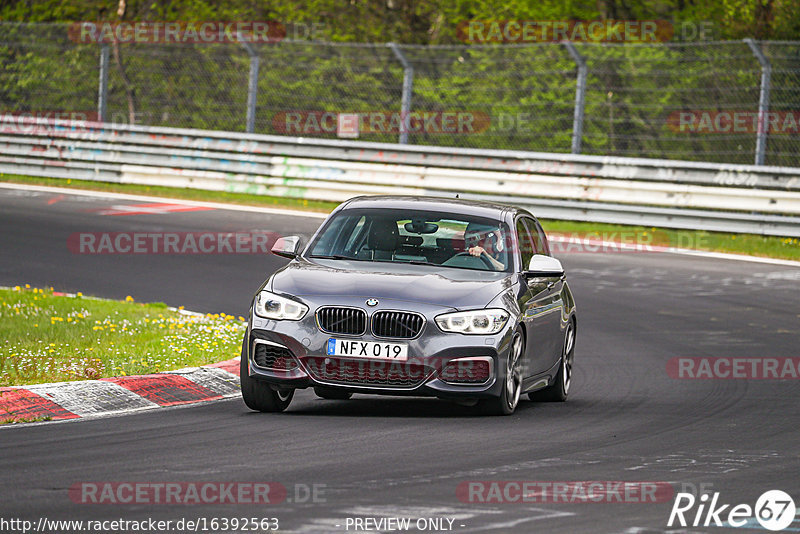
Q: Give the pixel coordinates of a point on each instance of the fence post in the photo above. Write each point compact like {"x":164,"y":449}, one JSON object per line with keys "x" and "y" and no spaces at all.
{"x":580,"y":97}
{"x":102,"y":90}
{"x":408,"y":87}
{"x":763,"y":101}
{"x":252,"y":84}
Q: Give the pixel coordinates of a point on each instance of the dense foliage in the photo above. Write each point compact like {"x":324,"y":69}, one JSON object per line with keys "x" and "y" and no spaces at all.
{"x":427,"y":21}
{"x":521,"y":96}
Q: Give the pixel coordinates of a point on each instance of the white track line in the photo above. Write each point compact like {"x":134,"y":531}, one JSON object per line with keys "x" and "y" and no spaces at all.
{"x":617,"y":247}
{"x":146,"y":198}
{"x":315,"y":215}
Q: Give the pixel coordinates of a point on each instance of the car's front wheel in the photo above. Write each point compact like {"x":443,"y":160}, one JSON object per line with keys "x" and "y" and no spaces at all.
{"x":259,"y":396}
{"x":507,"y":402}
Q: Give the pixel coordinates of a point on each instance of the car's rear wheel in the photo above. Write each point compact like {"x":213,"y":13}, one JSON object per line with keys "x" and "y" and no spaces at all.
{"x":259,"y":396}
{"x":332,"y":393}
{"x":559,"y":389}
{"x":507,"y":402}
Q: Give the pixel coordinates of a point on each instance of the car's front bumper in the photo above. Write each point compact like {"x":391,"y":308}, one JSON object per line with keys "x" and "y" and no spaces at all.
{"x":424,"y":373}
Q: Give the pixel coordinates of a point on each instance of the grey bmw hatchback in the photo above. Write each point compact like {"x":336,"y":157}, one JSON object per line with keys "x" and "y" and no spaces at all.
{"x":415,"y":296}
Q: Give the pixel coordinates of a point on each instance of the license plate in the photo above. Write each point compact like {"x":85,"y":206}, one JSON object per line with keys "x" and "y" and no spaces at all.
{"x":367,"y":349}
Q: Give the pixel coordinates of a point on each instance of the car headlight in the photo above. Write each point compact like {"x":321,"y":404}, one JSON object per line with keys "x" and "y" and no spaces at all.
{"x":271,"y":306}
{"x":489,"y":321}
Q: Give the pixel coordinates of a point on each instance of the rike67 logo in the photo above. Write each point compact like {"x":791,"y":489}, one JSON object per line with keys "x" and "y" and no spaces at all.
{"x":774,"y":510}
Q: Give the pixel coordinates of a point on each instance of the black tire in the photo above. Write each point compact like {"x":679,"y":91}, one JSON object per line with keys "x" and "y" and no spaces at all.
{"x":257,"y":395}
{"x":508,"y":400}
{"x":559,"y":389}
{"x":331,"y":393}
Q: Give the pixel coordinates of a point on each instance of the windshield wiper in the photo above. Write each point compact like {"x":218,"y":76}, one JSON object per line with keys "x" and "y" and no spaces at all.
{"x":331,"y":257}
{"x":418,"y":262}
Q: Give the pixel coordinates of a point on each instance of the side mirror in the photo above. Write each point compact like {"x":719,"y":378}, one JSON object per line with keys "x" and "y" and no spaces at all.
{"x":288,"y":247}
{"x":542,"y":266}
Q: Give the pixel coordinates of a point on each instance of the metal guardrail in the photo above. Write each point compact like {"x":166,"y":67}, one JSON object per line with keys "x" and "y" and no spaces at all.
{"x":676,"y":194}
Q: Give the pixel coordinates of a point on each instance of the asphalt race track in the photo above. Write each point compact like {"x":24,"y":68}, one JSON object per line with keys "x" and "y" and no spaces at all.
{"x":626,"y":419}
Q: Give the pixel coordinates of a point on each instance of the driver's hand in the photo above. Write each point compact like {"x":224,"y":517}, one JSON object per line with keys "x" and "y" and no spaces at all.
{"x":476,"y":251}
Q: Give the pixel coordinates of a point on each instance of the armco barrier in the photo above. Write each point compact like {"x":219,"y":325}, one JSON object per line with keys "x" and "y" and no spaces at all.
{"x":677,"y":194}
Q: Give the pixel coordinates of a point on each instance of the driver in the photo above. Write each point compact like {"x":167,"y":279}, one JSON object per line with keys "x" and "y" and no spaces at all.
{"x":485,"y":242}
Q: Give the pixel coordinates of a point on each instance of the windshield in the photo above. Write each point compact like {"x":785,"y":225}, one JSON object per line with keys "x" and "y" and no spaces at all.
{"x":415,"y":236}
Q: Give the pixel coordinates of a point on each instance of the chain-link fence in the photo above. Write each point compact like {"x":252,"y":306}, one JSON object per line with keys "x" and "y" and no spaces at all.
{"x":692,"y":101}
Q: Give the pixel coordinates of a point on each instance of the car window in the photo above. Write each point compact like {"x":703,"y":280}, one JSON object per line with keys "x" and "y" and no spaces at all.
{"x":419,"y":236}
{"x":536,"y":238}
{"x":355,"y":234}
{"x":542,"y":239}
{"x":526,"y":246}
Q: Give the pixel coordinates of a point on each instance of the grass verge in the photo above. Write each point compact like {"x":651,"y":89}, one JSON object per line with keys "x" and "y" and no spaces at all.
{"x":9,"y":418}
{"x":51,"y":337}
{"x":748,"y":244}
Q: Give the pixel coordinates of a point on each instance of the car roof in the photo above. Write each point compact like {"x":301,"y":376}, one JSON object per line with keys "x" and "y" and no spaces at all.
{"x":462,"y":206}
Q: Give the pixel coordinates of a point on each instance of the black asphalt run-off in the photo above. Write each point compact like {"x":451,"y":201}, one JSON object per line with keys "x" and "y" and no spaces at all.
{"x":626,"y":419}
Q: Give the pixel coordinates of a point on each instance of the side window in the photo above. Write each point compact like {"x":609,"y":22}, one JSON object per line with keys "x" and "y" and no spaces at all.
{"x":526,"y":247}
{"x":537,"y":234}
{"x":542,"y":239}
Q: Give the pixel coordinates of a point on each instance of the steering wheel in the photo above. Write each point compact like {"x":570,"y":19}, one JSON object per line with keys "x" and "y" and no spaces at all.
{"x":490,"y":266}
